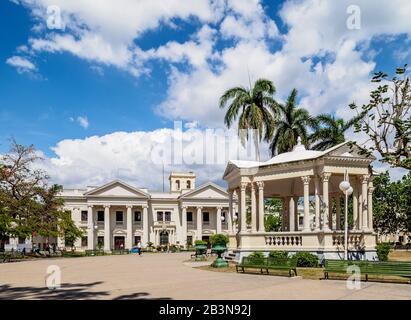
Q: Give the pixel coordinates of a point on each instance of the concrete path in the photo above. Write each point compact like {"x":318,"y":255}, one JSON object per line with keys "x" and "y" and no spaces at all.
{"x":165,"y":276}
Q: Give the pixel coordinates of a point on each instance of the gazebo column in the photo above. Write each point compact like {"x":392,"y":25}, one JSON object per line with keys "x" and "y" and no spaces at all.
{"x":230,"y":214}
{"x":355,"y":205}
{"x":325,"y":178}
{"x":317,"y":203}
{"x":370,"y":216}
{"x":253,"y":209}
{"x":306,"y":182}
{"x":338,"y":211}
{"x":364,"y":213}
{"x":285,"y":219}
{"x":260,"y":186}
{"x":199,"y":224}
{"x":291,"y":207}
{"x":236,"y":211}
{"x":243,"y":211}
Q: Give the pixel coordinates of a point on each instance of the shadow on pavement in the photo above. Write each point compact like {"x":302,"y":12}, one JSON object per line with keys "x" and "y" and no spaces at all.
{"x":66,"y":291}
{"x":138,"y":296}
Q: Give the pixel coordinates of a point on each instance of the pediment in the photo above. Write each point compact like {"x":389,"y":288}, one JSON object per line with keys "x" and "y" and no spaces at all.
{"x":208,"y":191}
{"x":117,"y":189}
{"x":347,"y":150}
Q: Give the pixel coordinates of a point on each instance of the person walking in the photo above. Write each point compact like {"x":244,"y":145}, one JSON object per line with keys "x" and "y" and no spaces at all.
{"x":139,"y":248}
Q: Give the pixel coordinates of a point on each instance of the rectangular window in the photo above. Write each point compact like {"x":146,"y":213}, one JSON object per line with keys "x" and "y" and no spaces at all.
{"x":206,"y":217}
{"x":137,"y":239}
{"x":100,"y":216}
{"x":137,"y":216}
{"x":189,"y":216}
{"x":119,"y":217}
{"x":100,"y":241}
{"x":22,"y":240}
{"x":300,"y":221}
{"x":159,"y":215}
{"x":84,"y":241}
{"x":168,"y":216}
{"x":84,"y":215}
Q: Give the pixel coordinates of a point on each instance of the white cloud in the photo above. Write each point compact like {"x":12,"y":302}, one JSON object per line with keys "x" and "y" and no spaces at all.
{"x":137,"y":157}
{"x":23,"y":65}
{"x":83,"y":121}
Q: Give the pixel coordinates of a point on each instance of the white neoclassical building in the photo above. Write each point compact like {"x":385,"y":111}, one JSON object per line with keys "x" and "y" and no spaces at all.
{"x":117,"y":215}
{"x":309,"y":180}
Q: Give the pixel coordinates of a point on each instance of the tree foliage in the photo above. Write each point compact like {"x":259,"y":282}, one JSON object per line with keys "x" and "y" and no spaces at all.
{"x":386,"y":119}
{"x":255,"y":109}
{"x":29,"y":206}
{"x":292,"y":123}
{"x":392,"y":204}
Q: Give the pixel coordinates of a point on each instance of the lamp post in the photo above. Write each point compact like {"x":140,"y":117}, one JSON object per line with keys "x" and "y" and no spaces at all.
{"x":346,"y":188}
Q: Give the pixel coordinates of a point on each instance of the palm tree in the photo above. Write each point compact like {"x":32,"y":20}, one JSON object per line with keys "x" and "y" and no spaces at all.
{"x":255,"y":109}
{"x":293,"y":123}
{"x":332,"y":131}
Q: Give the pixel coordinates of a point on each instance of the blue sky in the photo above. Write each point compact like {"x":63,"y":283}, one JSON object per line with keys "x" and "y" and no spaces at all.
{"x":137,"y":67}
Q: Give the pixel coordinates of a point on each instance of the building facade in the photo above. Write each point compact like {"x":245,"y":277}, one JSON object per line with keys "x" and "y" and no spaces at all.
{"x":118,"y":215}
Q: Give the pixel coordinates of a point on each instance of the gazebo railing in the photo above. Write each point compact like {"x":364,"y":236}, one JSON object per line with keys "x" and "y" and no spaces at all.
{"x":284,"y":240}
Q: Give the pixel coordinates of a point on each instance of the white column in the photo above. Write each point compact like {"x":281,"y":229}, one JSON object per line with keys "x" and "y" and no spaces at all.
{"x":364,"y":181}
{"x":370,"y":211}
{"x":291,"y":215}
{"x":145,"y":224}
{"x":243,"y":211}
{"x":218,"y":218}
{"x":260,"y":185}
{"x":355,"y":204}
{"x":230,"y":214}
{"x":338,"y":211}
{"x":184,"y":225}
{"x":317,"y":203}
{"x":199,"y":223}
{"x":90,"y":231}
{"x":253,"y":209}
{"x":325,"y":178}
{"x":107,"y":228}
{"x":306,"y":182}
{"x":129,"y":242}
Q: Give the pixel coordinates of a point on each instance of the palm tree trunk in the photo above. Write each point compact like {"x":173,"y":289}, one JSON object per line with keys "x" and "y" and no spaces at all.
{"x":256,"y":144}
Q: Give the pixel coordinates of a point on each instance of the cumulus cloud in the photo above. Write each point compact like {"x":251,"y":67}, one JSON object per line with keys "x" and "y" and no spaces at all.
{"x":22,"y":65}
{"x":138,"y":157}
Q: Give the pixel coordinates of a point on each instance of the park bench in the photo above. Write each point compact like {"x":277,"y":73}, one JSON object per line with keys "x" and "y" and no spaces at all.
{"x":391,"y":268}
{"x":120,"y":251}
{"x":268,"y":264}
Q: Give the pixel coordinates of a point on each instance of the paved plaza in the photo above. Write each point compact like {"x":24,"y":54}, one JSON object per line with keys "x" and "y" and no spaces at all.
{"x":166,"y":276}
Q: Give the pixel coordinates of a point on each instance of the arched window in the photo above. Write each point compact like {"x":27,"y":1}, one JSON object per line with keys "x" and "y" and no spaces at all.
{"x":178,"y":184}
{"x":188,"y":184}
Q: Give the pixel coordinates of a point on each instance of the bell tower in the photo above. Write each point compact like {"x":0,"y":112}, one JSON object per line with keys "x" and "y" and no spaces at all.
{"x":182,"y":181}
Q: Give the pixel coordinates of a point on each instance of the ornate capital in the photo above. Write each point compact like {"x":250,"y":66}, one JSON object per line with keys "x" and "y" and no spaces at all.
{"x":90,"y":206}
{"x":199,"y":207}
{"x":219,"y":207}
{"x":306,"y":179}
{"x":145,"y":206}
{"x":260,"y":185}
{"x":106,"y":206}
{"x":371,"y":190}
{"x":129,"y":206}
{"x":184,"y":207}
{"x":243,"y":186}
{"x":365,"y":178}
{"x":326,"y":176}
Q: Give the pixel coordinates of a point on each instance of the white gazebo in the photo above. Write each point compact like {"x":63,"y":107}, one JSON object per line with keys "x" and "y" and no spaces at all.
{"x":307,"y":180}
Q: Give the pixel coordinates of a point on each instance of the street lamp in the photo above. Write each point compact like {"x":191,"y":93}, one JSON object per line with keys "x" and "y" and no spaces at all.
{"x":346,"y":188}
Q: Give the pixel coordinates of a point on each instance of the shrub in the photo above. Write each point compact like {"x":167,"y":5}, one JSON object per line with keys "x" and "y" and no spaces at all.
{"x":257,"y":254}
{"x":200,"y":242}
{"x":306,"y":259}
{"x":219,"y":239}
{"x":383,"y":249}
{"x":278,"y":254}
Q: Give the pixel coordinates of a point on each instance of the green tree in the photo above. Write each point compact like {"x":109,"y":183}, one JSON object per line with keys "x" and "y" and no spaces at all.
{"x":293,"y":123}
{"x":272,"y":219}
{"x":386,"y":119}
{"x":392,"y":204}
{"x":331,"y":131}
{"x":255,"y":109}
{"x":28,"y":205}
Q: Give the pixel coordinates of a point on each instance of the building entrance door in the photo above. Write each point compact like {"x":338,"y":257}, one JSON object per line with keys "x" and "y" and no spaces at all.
{"x":119,"y":242}
{"x":163,"y":238}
